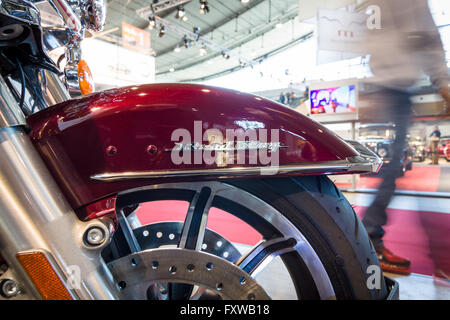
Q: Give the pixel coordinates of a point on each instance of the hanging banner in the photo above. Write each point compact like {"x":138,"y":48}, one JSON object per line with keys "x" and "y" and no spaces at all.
{"x":135,"y":38}
{"x":342,"y":31}
{"x":340,"y":35}
{"x":307,"y":9}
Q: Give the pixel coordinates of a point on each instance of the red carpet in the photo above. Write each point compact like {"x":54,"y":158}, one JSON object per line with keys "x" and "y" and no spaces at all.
{"x":423,"y":237}
{"x":230,"y":227}
{"x":424,"y":178}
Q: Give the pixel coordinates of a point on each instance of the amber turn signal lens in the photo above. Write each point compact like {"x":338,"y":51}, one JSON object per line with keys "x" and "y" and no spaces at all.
{"x":85,"y":79}
{"x":43,"y":276}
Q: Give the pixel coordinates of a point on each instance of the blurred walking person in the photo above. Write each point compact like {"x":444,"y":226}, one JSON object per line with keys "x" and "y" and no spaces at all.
{"x":435,"y":137}
{"x":282,"y":98}
{"x":406,"y":46}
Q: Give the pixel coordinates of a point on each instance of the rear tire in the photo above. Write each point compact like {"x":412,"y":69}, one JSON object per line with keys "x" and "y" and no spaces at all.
{"x":325,"y":217}
{"x":336,"y":251}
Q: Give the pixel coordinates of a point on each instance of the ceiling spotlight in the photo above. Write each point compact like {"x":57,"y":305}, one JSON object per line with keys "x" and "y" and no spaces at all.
{"x":162,"y":31}
{"x":204,"y":8}
{"x":152,"y":22}
{"x":225,"y":55}
{"x":185,"y":18}
{"x":177,"y":49}
{"x":203,"y":52}
{"x":186,"y":42}
{"x":180,"y":12}
{"x":172,"y":69}
{"x":278,"y":25}
{"x":245,"y":1}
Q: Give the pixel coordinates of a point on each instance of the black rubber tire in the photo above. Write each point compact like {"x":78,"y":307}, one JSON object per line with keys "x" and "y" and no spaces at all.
{"x":324,"y":216}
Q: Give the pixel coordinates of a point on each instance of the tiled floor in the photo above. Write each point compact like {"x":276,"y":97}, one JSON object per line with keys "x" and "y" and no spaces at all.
{"x":275,"y":280}
{"x":420,"y":287}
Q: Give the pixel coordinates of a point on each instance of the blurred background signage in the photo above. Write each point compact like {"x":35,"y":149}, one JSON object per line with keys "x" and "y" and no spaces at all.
{"x":340,"y":34}
{"x":135,"y":38}
{"x":308,"y":9}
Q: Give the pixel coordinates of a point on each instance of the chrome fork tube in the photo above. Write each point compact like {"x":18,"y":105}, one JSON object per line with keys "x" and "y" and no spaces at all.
{"x":55,"y":90}
{"x":35,"y":215}
{"x":10,"y":113}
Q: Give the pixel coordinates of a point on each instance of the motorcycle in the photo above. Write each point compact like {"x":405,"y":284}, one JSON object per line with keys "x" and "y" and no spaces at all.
{"x":75,"y":171}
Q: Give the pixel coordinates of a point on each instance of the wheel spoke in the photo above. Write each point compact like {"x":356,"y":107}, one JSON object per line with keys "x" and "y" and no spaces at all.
{"x":260,"y":255}
{"x":128,"y":232}
{"x":192,"y":236}
{"x":195,"y":223}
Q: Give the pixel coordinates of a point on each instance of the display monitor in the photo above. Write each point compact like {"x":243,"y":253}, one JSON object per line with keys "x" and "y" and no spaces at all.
{"x":334,"y":100}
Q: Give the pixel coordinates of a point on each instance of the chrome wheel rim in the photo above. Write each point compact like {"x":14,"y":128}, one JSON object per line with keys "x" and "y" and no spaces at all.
{"x":290,"y":240}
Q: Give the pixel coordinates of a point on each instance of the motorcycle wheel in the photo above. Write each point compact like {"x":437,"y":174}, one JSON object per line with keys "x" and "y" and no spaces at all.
{"x":306,"y":222}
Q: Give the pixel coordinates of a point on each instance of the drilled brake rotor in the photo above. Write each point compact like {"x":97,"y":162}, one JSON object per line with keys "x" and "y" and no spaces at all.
{"x":162,"y":234}
{"x":135,"y":273}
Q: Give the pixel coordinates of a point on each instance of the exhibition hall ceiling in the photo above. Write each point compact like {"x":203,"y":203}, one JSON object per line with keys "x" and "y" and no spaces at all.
{"x":249,"y":30}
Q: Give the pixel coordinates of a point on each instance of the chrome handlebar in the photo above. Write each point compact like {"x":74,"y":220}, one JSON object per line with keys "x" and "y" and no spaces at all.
{"x":79,"y":15}
{"x":66,"y":12}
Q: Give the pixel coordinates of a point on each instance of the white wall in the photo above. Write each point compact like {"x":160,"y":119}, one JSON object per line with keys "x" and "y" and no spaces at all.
{"x":115,"y":66}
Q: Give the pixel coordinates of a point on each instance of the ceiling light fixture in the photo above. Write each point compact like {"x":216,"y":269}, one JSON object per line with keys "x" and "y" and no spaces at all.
{"x":180,"y":13}
{"x":152,"y":22}
{"x":204,"y":8}
{"x":245,"y":1}
{"x":203,"y":52}
{"x":186,"y":42}
{"x":225,"y":55}
{"x":196,"y":31}
{"x":162,"y":31}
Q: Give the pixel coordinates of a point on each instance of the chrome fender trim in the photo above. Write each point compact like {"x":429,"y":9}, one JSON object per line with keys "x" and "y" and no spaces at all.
{"x":366,"y":162}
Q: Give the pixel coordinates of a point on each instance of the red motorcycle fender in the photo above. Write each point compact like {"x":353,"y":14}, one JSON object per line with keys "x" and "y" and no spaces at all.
{"x":120,"y":139}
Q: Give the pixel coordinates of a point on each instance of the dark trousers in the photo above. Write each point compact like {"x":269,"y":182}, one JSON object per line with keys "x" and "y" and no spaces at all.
{"x":398,"y":110}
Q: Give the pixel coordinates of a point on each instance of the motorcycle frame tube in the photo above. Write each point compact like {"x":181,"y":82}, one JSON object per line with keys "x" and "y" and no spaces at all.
{"x":34,"y":214}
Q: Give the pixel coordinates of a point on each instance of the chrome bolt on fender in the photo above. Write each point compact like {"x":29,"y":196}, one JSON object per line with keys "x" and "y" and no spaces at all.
{"x":97,"y":234}
{"x":94,"y":236}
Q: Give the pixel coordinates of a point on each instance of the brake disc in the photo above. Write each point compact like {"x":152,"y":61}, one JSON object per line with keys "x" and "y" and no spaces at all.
{"x":161,"y":234}
{"x":136,"y":272}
